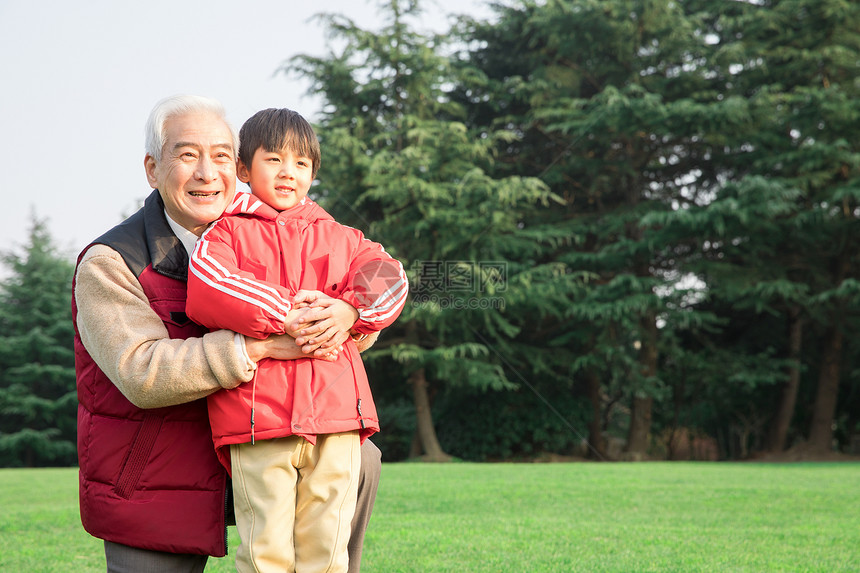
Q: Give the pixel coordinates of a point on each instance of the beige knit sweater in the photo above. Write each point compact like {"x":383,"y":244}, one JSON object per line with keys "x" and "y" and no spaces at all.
{"x":130,"y":343}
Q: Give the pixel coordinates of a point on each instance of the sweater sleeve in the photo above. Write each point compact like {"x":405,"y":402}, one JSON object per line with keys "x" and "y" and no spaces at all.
{"x":220,"y":295}
{"x":130,"y":343}
{"x":376,"y":286}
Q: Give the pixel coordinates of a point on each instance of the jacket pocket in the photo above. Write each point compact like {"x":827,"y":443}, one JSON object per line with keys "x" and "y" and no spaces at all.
{"x":261,"y":271}
{"x":138,"y":455}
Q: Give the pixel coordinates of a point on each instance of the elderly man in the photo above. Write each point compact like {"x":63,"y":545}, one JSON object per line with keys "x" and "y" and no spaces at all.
{"x":150,"y":484}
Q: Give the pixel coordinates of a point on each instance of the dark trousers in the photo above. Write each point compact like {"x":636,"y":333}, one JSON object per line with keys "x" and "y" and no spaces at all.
{"x":368,"y":482}
{"x":125,"y":559}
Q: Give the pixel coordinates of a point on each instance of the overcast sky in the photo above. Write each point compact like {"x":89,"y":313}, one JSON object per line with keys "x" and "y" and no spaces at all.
{"x":78,"y":79}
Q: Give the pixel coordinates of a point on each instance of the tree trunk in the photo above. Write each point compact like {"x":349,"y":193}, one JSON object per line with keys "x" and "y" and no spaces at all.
{"x":640,"y":414}
{"x":821,"y":427}
{"x":640,"y":427}
{"x":778,"y":434}
{"x":595,"y":427}
{"x":426,"y":432}
{"x":678,"y":392}
{"x":415,"y":448}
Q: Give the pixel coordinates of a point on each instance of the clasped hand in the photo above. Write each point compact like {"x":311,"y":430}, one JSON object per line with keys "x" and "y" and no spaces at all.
{"x":319,"y":323}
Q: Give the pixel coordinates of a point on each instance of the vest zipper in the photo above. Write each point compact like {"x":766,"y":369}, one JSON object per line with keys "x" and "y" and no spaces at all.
{"x":226,"y":509}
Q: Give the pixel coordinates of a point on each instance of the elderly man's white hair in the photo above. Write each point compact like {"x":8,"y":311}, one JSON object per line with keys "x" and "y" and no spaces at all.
{"x":175,"y":106}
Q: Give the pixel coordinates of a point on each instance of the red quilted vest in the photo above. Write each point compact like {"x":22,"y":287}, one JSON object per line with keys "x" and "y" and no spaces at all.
{"x":149,"y":478}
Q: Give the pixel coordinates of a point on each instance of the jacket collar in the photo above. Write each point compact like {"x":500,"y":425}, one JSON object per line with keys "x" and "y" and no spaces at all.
{"x":166,"y":252}
{"x":247,"y":204}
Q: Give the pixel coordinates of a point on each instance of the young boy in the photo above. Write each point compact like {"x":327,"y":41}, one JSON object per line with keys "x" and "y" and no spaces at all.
{"x":291,"y":436}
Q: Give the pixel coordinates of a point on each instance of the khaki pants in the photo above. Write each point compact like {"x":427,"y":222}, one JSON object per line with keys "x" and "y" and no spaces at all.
{"x":294,"y":502}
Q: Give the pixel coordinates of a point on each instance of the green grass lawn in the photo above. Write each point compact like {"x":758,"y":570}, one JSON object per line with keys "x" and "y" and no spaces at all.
{"x":531,"y":518}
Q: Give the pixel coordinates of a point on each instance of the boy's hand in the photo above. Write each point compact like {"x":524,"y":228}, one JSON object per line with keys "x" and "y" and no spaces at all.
{"x":297,"y":317}
{"x":303,"y":314}
{"x":324,"y":324}
{"x":306,"y":298}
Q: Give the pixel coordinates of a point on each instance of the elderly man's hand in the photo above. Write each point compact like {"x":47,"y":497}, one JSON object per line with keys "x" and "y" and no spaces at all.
{"x":283,"y":347}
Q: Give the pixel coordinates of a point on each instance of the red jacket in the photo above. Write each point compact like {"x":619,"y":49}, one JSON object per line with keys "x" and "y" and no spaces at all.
{"x":243,"y":274}
{"x":148,"y":478}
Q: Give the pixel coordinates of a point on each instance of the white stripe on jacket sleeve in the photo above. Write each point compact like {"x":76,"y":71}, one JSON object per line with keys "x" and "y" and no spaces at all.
{"x":389,"y":302}
{"x":209,"y":270}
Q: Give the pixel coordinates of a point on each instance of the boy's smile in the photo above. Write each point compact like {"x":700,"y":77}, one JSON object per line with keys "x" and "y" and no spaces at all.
{"x":280,"y":179}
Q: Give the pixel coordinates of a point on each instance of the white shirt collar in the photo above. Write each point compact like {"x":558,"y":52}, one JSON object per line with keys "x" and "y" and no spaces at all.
{"x":187,"y":238}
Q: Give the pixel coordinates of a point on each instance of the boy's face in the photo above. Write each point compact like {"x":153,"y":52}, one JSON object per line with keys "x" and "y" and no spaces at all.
{"x":281,"y":179}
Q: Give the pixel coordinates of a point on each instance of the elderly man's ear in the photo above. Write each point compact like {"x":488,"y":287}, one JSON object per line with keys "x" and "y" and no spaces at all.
{"x":149,"y":165}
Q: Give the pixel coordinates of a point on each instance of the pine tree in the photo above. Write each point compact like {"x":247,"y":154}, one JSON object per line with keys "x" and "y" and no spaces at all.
{"x":799,"y":69}
{"x":605,"y":94}
{"x":399,"y":163}
{"x":706,"y":142}
{"x":37,"y":377}
{"x":778,"y":240}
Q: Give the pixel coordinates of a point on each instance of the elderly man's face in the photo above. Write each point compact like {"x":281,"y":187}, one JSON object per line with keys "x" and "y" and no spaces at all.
{"x":197,"y":172}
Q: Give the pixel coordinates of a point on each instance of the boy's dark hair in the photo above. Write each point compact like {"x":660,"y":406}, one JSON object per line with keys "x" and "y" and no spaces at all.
{"x":274,"y":130}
